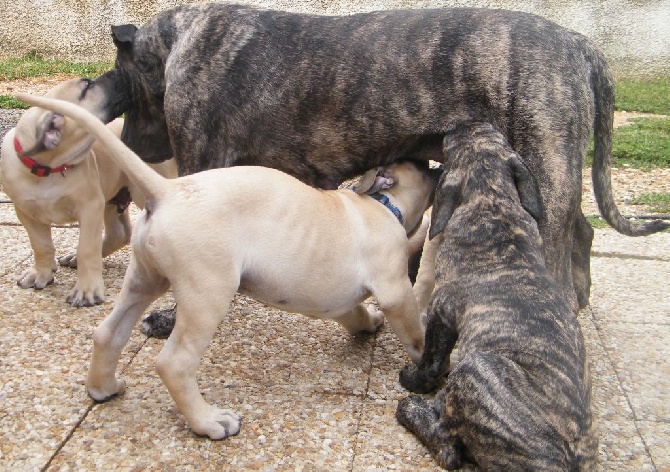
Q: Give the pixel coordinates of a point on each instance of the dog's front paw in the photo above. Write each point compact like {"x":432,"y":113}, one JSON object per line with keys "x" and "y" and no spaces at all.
{"x":69,"y":260}
{"x":88,"y":295}
{"x":33,"y":278}
{"x":159,"y":323}
{"x":415,"y":380}
{"x":106,"y":392}
{"x":219,"y":424}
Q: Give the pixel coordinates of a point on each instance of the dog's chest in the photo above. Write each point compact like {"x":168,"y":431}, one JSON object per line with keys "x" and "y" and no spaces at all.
{"x":48,"y":207}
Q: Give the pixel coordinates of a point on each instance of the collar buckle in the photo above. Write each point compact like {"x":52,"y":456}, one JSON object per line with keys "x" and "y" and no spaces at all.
{"x":40,"y":170}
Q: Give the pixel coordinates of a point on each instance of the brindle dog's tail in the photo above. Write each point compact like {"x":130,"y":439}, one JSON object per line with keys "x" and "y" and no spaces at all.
{"x":603,"y":84}
{"x":150,"y":183}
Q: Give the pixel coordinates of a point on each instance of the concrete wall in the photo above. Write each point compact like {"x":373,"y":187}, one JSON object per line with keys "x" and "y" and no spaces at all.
{"x":633,"y":34}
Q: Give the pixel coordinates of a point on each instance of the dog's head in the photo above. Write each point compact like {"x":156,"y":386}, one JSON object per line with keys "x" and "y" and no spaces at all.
{"x":479,"y":160}
{"x":410,"y":182}
{"x":41,"y":130}
{"x":136,"y":87}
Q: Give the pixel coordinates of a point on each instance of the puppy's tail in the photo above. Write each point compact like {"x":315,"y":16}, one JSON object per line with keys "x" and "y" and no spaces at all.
{"x":603,"y":84}
{"x":148,"y":181}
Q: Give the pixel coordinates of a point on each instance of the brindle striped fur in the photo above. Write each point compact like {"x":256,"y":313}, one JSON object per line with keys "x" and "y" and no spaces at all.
{"x":520,"y":397}
{"x":325,"y":98}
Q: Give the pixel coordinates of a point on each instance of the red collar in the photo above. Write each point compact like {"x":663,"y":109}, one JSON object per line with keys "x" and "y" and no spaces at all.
{"x":35,"y":167}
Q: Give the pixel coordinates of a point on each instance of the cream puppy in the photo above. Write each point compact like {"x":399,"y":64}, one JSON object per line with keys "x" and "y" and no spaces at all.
{"x":263,"y":233}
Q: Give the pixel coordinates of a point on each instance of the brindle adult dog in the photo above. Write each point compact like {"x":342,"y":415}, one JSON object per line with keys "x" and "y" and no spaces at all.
{"x":324,"y":98}
{"x":519,"y":399}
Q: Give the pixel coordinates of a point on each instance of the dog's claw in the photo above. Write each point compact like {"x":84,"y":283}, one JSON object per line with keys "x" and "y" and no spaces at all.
{"x":80,"y":299}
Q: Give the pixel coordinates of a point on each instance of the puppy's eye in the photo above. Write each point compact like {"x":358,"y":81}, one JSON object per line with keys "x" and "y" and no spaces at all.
{"x":88,"y":83}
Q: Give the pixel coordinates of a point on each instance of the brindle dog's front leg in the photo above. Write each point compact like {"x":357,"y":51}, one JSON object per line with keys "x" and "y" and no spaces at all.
{"x":440,"y":341}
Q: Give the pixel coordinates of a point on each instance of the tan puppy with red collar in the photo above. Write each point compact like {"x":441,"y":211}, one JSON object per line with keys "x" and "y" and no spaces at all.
{"x":57,"y":173}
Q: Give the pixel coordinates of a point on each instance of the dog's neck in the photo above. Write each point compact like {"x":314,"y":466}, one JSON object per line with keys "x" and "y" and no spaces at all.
{"x":59,"y":162}
{"x":410,"y":205}
{"x":384,"y":200}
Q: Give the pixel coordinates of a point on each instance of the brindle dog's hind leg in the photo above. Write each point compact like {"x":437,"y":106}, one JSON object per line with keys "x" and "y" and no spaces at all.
{"x":581,"y":251}
{"x":423,"y":421}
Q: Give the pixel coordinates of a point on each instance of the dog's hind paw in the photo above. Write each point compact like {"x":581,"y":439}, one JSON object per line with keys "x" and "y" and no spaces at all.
{"x":69,"y":260}
{"x":221,"y":424}
{"x":101,"y":395}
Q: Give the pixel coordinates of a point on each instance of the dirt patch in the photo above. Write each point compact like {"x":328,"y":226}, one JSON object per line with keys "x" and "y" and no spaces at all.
{"x":626,"y":183}
{"x":34,"y":85}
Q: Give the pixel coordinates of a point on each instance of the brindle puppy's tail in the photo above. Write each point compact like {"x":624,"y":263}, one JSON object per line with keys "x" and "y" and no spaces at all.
{"x":152,"y":184}
{"x":603,"y":84}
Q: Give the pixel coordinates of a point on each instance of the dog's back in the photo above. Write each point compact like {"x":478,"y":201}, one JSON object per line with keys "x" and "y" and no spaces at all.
{"x":520,"y":397}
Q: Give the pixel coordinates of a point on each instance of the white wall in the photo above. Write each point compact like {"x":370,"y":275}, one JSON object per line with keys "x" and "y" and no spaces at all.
{"x":633,"y":34}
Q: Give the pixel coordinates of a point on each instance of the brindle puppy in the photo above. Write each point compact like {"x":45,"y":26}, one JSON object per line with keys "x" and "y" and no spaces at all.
{"x":324,"y":98}
{"x":519,"y":399}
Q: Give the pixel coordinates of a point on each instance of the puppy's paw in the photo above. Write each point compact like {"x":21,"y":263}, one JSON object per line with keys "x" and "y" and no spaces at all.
{"x":413,"y":413}
{"x":159,"y":323}
{"x":36,"y":279}
{"x":85,"y":294}
{"x":415,"y":380}
{"x":376,"y":318}
{"x":218,"y":425}
{"x":106,"y":392}
{"x":69,"y":260}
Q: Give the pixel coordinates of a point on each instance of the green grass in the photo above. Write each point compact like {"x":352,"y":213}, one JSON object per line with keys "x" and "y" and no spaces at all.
{"x":597,"y":222}
{"x":643,"y":144}
{"x":658,"y":202}
{"x":648,"y":96}
{"x":33,"y":65}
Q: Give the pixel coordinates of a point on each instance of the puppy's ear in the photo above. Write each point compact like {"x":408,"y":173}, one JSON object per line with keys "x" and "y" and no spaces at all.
{"x":373,"y":181}
{"x":529,"y":192}
{"x":49,"y":129}
{"x":47,"y":133}
{"x":446,"y":200}
{"x":123,"y":36}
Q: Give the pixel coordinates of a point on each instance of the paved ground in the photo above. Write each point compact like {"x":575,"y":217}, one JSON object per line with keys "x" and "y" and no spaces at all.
{"x":312,"y":397}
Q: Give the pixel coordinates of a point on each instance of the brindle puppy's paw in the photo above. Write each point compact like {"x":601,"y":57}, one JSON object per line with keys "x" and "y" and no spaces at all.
{"x":33,"y":278}
{"x":414,"y":413}
{"x":416,"y":380}
{"x":159,"y":323}
{"x":422,"y":420}
{"x":69,"y":260}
